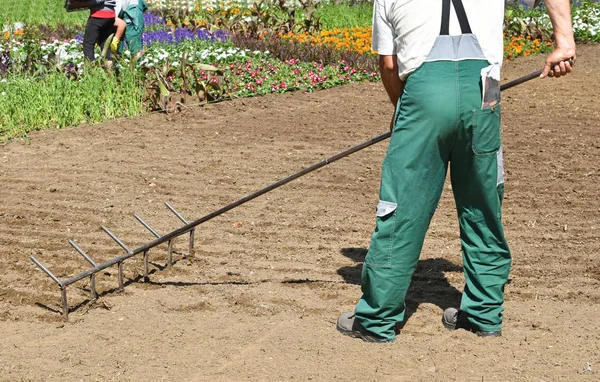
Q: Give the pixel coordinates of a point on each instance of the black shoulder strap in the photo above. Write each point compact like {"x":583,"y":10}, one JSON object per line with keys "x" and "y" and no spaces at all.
{"x":460,"y":13}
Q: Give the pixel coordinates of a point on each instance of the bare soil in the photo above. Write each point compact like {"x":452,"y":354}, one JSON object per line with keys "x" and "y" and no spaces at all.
{"x":258,"y":298}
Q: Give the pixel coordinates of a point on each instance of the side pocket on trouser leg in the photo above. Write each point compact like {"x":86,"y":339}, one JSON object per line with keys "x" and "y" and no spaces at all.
{"x":380,"y":251}
{"x":377,"y":310}
{"x":486,"y":131}
{"x":487,"y":161}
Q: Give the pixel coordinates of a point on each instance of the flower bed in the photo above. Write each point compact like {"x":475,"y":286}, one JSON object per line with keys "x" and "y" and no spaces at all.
{"x":258,"y":52}
{"x":520,"y":46}
{"x":356,"y":39}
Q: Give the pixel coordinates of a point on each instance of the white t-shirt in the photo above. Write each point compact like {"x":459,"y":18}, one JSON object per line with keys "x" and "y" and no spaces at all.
{"x":124,"y":4}
{"x":408,"y":29}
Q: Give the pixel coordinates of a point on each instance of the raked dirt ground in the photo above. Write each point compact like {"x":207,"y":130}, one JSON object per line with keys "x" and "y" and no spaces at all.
{"x":259,"y":297}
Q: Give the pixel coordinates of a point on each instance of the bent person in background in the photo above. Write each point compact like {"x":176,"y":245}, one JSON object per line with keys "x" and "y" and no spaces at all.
{"x":131,"y":14}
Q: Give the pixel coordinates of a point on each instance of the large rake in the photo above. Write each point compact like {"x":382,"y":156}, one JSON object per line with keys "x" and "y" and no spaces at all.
{"x":189,"y":227}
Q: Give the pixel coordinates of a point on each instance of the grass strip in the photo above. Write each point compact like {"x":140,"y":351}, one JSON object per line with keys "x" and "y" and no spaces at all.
{"x":55,"y":101}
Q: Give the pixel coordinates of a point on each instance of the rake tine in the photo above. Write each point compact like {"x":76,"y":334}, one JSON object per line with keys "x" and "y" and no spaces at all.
{"x":85,"y":256}
{"x":116,"y":239}
{"x":63,"y":288}
{"x":157,"y":235}
{"x":43,"y":268}
{"x":120,"y":263}
{"x":121,"y":284}
{"x":146,"y":277}
{"x":152,"y":230}
{"x":191,"y":246}
{"x":64,"y":302}
{"x":93,"y":293}
{"x":170,"y":250}
{"x":176,"y":213}
{"x":170,"y":256}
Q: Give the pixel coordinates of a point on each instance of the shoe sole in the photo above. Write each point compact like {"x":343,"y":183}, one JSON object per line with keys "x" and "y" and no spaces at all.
{"x":361,"y":336}
{"x":451,"y":325}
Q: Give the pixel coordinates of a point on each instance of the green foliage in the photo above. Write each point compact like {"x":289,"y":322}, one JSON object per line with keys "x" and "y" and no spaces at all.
{"x":260,"y":17}
{"x":586,"y":21}
{"x":345,"y":15}
{"x":38,"y":12}
{"x":167,"y":86}
{"x":263,"y":76}
{"x":533,"y":23}
{"x":55,"y":101}
{"x":282,"y":16}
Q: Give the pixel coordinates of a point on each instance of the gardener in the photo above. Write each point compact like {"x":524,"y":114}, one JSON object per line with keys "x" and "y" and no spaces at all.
{"x":433,"y":57}
{"x":99,"y":27}
{"x":131,"y":12}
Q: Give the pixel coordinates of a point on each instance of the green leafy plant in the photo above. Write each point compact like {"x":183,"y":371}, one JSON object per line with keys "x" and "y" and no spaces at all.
{"x":282,"y":17}
{"x":586,"y":21}
{"x":167,"y":86}
{"x":519,"y":21}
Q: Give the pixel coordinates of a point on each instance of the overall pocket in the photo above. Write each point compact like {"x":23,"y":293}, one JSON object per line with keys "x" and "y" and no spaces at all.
{"x":486,"y":130}
{"x":380,"y":250}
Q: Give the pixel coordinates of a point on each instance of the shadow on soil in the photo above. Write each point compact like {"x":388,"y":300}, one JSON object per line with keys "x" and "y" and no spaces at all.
{"x":429,"y":284}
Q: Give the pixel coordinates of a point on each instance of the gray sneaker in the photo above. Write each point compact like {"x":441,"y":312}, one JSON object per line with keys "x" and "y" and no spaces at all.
{"x":453,"y":319}
{"x":349,"y":326}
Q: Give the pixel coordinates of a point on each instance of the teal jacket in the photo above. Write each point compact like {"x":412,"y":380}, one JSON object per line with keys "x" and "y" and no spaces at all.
{"x":134,"y":17}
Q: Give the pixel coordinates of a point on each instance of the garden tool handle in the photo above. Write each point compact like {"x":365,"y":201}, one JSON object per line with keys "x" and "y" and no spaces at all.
{"x":520,"y":80}
{"x":528,"y":77}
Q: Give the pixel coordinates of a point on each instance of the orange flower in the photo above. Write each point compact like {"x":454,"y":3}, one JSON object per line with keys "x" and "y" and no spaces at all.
{"x":349,"y":39}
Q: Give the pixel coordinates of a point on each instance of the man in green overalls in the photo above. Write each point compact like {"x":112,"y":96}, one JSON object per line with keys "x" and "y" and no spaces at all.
{"x":436,"y":56}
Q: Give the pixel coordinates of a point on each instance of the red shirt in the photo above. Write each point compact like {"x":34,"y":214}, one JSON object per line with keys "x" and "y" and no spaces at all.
{"x":103,"y":14}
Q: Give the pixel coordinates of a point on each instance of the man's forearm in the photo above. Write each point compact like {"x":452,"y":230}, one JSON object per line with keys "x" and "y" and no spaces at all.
{"x":121,"y":25}
{"x":560,"y":15}
{"x":558,"y":63}
{"x":388,"y":68}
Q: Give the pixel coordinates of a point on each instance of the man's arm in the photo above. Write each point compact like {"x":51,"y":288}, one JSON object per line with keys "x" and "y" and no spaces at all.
{"x":564,"y":48}
{"x":121,"y":25}
{"x":388,"y":68}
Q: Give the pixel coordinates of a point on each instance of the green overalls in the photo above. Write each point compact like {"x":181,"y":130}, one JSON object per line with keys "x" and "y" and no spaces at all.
{"x":440,"y":120}
{"x":134,"y":17}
